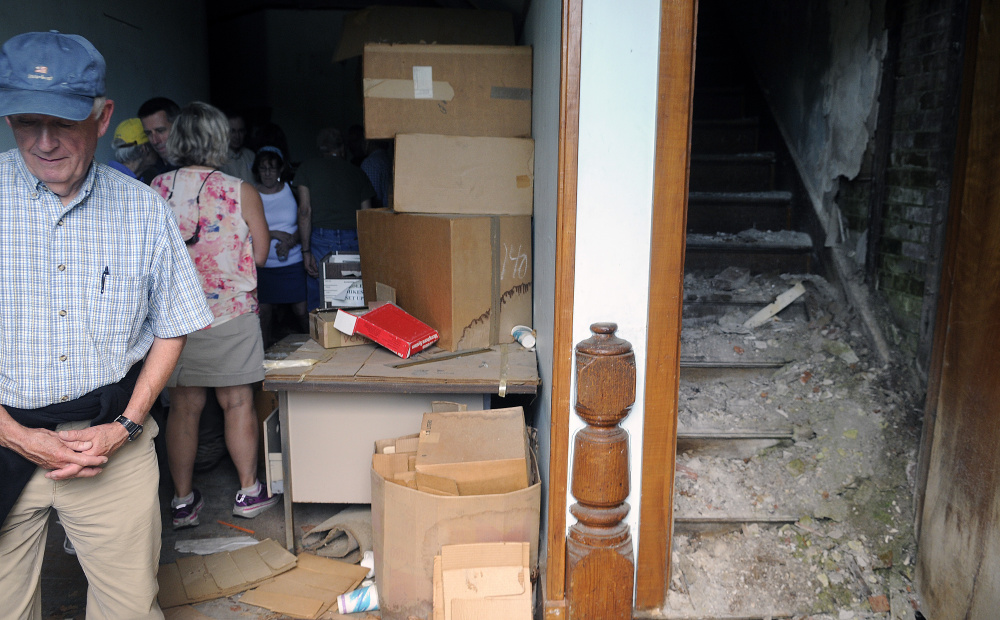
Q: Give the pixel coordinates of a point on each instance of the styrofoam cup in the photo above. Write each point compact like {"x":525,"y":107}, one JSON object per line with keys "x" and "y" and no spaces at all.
{"x":523,"y":334}
{"x":362,"y":599}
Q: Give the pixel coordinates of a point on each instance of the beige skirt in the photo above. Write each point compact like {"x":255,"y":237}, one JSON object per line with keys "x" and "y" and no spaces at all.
{"x":222,"y":356}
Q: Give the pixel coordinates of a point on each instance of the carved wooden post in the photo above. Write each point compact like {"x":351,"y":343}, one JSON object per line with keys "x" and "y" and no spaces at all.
{"x":600,"y":567}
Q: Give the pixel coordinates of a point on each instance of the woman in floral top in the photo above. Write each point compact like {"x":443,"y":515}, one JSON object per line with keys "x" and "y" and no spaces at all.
{"x":222,"y":222}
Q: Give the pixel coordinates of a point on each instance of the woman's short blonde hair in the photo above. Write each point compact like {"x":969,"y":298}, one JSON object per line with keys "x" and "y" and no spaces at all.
{"x":199,"y":136}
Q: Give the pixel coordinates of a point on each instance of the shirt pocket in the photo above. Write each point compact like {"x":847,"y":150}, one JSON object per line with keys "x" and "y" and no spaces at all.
{"x":117,"y":308}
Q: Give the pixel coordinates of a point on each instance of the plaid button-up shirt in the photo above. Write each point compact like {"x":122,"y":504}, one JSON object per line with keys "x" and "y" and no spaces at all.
{"x":84,"y":288}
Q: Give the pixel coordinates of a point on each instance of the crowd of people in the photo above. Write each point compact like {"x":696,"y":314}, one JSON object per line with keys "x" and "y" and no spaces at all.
{"x":161,"y":276}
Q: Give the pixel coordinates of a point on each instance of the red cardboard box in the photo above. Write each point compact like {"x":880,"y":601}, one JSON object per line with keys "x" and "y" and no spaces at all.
{"x":390,"y":326}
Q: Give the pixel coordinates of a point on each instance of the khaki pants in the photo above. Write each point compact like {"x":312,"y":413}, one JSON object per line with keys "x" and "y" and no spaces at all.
{"x":113,"y":520}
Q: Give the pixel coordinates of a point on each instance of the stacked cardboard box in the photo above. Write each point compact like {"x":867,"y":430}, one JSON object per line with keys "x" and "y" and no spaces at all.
{"x":456,"y":244}
{"x":466,"y":478}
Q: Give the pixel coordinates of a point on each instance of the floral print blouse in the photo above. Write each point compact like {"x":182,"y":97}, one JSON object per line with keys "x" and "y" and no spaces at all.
{"x":206,"y":205}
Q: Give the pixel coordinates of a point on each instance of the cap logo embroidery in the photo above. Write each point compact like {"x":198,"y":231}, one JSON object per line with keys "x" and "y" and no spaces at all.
{"x":42,"y":70}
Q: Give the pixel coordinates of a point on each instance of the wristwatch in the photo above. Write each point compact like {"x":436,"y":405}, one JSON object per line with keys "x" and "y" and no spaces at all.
{"x":134,"y":430}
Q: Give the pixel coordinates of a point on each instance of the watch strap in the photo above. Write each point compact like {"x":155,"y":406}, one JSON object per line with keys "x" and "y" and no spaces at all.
{"x":134,"y":430}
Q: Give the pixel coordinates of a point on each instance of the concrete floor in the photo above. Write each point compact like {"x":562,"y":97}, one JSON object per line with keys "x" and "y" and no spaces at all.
{"x":64,"y":585}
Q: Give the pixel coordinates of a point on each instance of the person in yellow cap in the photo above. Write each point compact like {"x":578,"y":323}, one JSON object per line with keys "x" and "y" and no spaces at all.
{"x":132,"y":151}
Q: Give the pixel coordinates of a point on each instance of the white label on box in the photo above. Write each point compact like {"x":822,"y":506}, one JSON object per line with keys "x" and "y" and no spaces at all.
{"x":423,"y":83}
{"x":343,"y":294}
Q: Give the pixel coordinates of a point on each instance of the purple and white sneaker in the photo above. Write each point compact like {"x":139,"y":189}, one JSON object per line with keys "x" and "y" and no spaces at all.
{"x":186,"y":515}
{"x":249,"y":506}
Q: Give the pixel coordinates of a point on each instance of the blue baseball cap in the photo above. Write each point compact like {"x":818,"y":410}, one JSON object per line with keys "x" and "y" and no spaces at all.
{"x":50,"y":73}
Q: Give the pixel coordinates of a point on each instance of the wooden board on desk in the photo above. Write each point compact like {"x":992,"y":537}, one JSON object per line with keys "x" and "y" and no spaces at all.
{"x":373,"y":368}
{"x":520,"y":366}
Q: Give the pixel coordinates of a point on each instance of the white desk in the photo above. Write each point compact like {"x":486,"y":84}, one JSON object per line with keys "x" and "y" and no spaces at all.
{"x":332,"y":411}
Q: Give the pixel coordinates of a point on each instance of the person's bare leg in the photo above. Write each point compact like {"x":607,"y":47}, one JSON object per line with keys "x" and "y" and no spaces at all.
{"x":241,"y":430}
{"x":186,"y":404}
{"x":266,"y":323}
{"x":301,"y":317}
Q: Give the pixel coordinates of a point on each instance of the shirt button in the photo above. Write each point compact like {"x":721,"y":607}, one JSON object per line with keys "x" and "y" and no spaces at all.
{"x":63,"y":398}
{"x":59,"y":223}
{"x":62,"y":313}
{"x":61,"y":267}
{"x":62,"y":358}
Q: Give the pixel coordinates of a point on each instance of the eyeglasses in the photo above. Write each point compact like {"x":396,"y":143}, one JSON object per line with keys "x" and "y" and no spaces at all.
{"x":194,"y":238}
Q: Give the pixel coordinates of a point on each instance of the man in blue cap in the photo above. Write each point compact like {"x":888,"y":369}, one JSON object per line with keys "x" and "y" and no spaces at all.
{"x":97,"y":295}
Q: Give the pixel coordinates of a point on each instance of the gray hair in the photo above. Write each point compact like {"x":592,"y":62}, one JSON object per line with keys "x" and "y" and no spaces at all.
{"x":99,"y":102}
{"x":132,"y":152}
{"x":199,"y":136}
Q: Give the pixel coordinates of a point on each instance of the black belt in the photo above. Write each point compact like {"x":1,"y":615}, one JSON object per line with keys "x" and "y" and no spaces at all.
{"x":100,"y":406}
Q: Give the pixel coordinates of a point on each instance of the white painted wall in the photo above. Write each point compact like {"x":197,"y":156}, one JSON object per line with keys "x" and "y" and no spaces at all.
{"x":615,"y":189}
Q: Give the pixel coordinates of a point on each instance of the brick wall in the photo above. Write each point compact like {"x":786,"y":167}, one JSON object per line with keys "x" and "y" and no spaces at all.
{"x":918,"y":170}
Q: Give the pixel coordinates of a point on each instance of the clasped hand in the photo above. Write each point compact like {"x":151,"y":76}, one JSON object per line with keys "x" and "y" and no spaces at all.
{"x":77,"y":453}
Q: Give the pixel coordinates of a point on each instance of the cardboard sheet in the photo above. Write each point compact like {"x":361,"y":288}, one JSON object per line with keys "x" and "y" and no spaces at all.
{"x":486,"y":581}
{"x":201,"y":578}
{"x":473,"y":452}
{"x":309,"y":589}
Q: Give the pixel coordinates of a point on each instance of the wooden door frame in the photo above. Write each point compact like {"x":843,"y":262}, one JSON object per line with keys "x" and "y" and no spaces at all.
{"x":565,"y":276}
{"x":678,"y":21}
{"x":678,"y":28}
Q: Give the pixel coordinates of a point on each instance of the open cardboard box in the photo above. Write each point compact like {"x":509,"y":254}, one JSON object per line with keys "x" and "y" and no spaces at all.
{"x":410,"y":526}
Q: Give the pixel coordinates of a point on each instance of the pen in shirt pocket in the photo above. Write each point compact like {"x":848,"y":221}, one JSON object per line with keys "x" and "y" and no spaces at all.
{"x":104,"y":276}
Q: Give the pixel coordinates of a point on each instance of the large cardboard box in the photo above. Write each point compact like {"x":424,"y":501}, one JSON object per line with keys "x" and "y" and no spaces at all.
{"x":467,"y":276}
{"x":455,"y":90}
{"x":479,"y":452}
{"x":463,"y":174}
{"x":410,"y":527}
{"x":401,"y":24}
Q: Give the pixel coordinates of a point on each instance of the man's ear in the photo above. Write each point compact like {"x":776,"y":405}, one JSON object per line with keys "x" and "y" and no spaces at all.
{"x":7,"y":118}
{"x":104,"y":120}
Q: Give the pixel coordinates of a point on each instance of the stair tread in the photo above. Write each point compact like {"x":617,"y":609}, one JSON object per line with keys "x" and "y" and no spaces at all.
{"x":751,"y":240}
{"x":737,"y":122}
{"x":771,"y":196}
{"x":755,"y":157}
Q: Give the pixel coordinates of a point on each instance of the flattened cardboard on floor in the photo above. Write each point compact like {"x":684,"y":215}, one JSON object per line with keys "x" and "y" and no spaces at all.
{"x":411,"y":526}
{"x":462,"y":174}
{"x":205,"y":577}
{"x":309,"y":589}
{"x":398,"y":24}
{"x":480,"y":452}
{"x":454,"y":90}
{"x":457,"y":273}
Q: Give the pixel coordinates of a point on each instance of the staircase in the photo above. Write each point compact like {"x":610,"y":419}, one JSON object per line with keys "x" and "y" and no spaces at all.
{"x":771,"y":464}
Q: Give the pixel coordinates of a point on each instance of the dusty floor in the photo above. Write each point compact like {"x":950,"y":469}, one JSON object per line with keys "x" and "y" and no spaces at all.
{"x":827,"y":513}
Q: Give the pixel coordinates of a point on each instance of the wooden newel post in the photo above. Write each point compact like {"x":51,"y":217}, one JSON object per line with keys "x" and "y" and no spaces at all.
{"x":600,"y":567}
